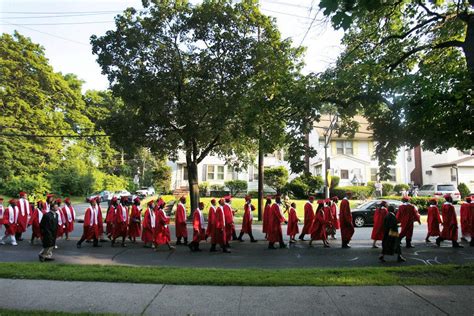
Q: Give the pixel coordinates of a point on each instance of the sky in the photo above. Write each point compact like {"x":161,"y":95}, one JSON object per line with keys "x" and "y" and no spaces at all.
{"x":63,"y":28}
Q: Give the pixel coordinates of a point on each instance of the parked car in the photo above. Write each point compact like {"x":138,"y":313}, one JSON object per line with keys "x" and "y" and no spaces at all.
{"x":146,"y":191}
{"x":119,"y":194}
{"x":104,"y":196}
{"x":363,"y":215}
{"x":438,"y":190}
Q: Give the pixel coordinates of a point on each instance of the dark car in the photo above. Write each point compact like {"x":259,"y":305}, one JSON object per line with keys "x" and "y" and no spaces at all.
{"x":363,"y":215}
{"x":104,"y":196}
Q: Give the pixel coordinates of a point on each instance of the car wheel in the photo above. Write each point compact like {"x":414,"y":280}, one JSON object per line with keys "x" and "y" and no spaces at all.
{"x":359,"y":221}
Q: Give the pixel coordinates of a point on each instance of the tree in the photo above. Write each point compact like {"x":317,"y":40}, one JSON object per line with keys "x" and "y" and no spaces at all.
{"x":188,"y":76}
{"x":276,"y":178}
{"x":236,"y":186}
{"x":407,"y":68}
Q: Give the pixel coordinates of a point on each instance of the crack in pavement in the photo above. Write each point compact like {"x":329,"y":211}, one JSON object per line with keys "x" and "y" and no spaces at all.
{"x":240,"y":299}
{"x":426,"y":300}
{"x":118,"y":254}
{"x":332,"y":300}
{"x":154,"y":298}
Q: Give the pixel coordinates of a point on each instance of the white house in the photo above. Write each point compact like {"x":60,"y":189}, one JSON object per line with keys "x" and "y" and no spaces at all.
{"x":452,"y":166}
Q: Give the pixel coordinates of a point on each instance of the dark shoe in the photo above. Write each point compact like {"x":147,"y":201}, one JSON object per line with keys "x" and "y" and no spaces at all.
{"x":240,"y":239}
{"x":283,"y":245}
{"x":374,"y":246}
{"x":48,"y":259}
{"x":190,"y":246}
{"x":381,"y":258}
{"x":254,"y":240}
{"x":178,"y":243}
{"x":456,"y":245}
{"x":271,"y":247}
{"x":225,"y":250}
{"x":213,"y":249}
{"x":124,"y":245}
{"x":78,"y":245}
{"x":97,"y":246}
{"x":346,"y":246}
{"x":401,"y":259}
{"x":438,"y":242}
{"x":410,"y":246}
{"x":464,"y":239}
{"x":41,"y":258}
{"x":427,"y":240}
{"x":103,"y":240}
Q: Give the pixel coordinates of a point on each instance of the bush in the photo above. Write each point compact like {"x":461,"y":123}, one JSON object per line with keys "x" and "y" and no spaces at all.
{"x":334,"y":181}
{"x":421,"y":202}
{"x":203,"y":188}
{"x":276,"y":178}
{"x":355,"y":192}
{"x":217,"y":187}
{"x":463,"y":189}
{"x":300,"y":187}
{"x":398,"y":188}
{"x":387,"y":188}
{"x":236,"y":186}
{"x":36,"y":185}
{"x":254,"y":194}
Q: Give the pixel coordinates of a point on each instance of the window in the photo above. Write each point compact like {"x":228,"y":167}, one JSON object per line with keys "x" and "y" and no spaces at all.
{"x":185,"y":173}
{"x":446,"y":187}
{"x":230,"y":173}
{"x":318,"y":170}
{"x":427,"y":187}
{"x":392,"y":175}
{"x":220,"y":172}
{"x":210,"y":172}
{"x":344,"y":147}
{"x":453,"y":174}
{"x":373,"y":174}
{"x":344,"y":174}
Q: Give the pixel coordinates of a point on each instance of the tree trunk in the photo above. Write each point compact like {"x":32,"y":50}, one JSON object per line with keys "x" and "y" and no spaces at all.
{"x":260,"y":177}
{"x":193,"y":182}
{"x":468,"y":46}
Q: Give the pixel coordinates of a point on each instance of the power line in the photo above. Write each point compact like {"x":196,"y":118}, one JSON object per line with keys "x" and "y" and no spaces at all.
{"x":309,"y":28}
{"x":53,"y":16}
{"x":287,"y":4}
{"x":62,"y":23}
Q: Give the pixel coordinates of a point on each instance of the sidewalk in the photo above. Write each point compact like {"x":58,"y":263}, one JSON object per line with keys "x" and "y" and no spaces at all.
{"x":150,"y":299}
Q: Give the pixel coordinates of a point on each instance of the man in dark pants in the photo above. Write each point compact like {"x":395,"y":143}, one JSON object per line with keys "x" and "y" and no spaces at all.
{"x":49,"y":227}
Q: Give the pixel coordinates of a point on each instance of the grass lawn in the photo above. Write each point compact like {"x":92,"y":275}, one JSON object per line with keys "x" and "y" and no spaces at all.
{"x":409,"y":275}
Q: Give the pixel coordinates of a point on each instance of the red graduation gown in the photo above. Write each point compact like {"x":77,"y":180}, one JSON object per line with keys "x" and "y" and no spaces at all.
{"x":10,"y":226}
{"x":180,"y":221}
{"x":407,"y":216}
{"x":318,"y":228}
{"x":345,"y":218}
{"x":100,"y":221}
{"x":148,"y":232}
{"x":199,"y":233}
{"x":292,"y":228}
{"x":248,"y":218}
{"x":229,"y":221}
{"x":450,"y":222}
{"x":219,"y":231}
{"x":68,"y":220}
{"x":121,"y":221}
{"x":335,"y":221}
{"x":61,"y":224}
{"x":465,"y":220}
{"x":109,"y":220}
{"x":276,"y":218}
{"x":211,"y":222}
{"x":266,"y":213}
{"x":434,"y":219}
{"x":35,"y":222}
{"x":23,"y":214}
{"x":163,"y":235}
{"x":471,"y":218}
{"x":377,"y":230}
{"x":308,"y":218}
{"x":134,"y":226}
{"x":91,"y":224}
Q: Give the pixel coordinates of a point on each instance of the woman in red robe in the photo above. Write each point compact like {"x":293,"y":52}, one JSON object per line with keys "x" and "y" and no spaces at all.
{"x":465,"y":219}
{"x":180,"y":222}
{"x":308,"y":217}
{"x":450,"y":223}
{"x":61,"y":221}
{"x":276,"y":218}
{"x":149,"y":225}
{"x":162,"y":236}
{"x":407,"y":215}
{"x":134,"y":226}
{"x":334,"y":219}
{"x":293,"y":220}
{"x":199,"y":232}
{"x":91,"y":224}
{"x":110,"y":218}
{"x":434,"y":219}
{"x":69,"y":216}
{"x":35,"y":221}
{"x":219,"y":230}
{"x":330,"y":230}
{"x":378,"y":229}
{"x":121,"y":221}
{"x":247,"y":220}
{"x":318,"y":228}
{"x":211,"y":222}
{"x":266,"y":213}
{"x":347,"y":227}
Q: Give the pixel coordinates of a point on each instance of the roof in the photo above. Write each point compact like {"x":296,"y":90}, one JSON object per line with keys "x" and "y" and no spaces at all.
{"x":363,"y":132}
{"x":335,"y":158}
{"x":463,"y":162}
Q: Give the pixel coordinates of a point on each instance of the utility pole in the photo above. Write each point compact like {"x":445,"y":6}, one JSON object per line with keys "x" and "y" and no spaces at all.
{"x":327,"y":141}
{"x":260,"y":176}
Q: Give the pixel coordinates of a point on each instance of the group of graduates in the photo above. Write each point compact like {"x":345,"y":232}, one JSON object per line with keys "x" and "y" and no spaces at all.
{"x":50,"y":221}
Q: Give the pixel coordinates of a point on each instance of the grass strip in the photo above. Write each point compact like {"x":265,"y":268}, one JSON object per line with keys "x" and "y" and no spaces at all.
{"x":407,"y":275}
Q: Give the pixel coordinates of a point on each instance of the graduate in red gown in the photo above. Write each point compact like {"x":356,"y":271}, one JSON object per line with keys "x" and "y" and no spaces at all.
{"x":91,"y":224}
{"x":35,"y":221}
{"x":471,"y":220}
{"x":407,"y":215}
{"x":23,"y":215}
{"x":121,"y":221}
{"x":100,"y":220}
{"x":346,"y":224}
{"x":266,"y":213}
{"x":308,"y":217}
{"x":61,"y":220}
{"x":293,"y":220}
{"x":378,"y":229}
{"x":229,"y":220}
{"x":69,"y":217}
{"x":247,"y":220}
{"x":330,"y":230}
{"x":149,"y":225}
{"x":2,"y":209}
{"x":220,"y":237}
{"x":334,"y":219}
{"x":134,"y":225}
{"x":318,"y":227}
{"x":275,"y":233}
{"x":199,"y":230}
{"x":450,"y":223}
{"x":180,"y":222}
{"x":211,"y":222}
{"x":434,"y":220}
{"x":162,"y":232}
{"x":465,"y":219}
{"x":110,"y":217}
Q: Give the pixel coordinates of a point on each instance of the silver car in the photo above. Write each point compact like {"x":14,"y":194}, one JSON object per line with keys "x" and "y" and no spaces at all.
{"x":438,"y":190}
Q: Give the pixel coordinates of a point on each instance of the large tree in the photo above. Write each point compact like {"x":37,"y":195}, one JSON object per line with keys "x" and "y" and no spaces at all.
{"x":190,"y":77}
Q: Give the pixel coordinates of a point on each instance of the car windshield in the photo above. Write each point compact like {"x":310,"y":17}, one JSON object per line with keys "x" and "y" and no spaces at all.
{"x":426,"y":187}
{"x":446,"y":187}
{"x":365,"y":205}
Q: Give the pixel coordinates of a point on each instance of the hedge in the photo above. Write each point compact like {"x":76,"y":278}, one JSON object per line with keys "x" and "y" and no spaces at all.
{"x":356,"y":192}
{"x":421,"y":202}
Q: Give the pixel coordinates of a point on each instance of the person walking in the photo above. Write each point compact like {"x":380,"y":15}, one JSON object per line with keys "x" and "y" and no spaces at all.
{"x":69,"y":217}
{"x":162,"y":232}
{"x":318,"y":228}
{"x":35,"y":221}
{"x":346,"y":224}
{"x":391,"y":237}
{"x":433,"y":221}
{"x":450,"y":223}
{"x":276,"y":219}
{"x":134,"y":225}
{"x":180,"y":222}
{"x":49,"y":228}
{"x":121,"y":221}
{"x":23,"y":216}
{"x":308,"y":217}
{"x":292,"y":228}
{"x":10,"y":220}
{"x":91,"y":224}
{"x":247,"y":220}
{"x":465,"y":220}
{"x":407,"y":215}
{"x":199,"y":232}
{"x":266,"y":214}
{"x":378,"y":228}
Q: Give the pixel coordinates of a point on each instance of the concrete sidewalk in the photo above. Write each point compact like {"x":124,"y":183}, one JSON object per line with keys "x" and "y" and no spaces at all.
{"x":151,"y":299}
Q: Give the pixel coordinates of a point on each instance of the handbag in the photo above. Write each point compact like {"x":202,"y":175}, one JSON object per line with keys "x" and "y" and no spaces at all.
{"x":393,"y":233}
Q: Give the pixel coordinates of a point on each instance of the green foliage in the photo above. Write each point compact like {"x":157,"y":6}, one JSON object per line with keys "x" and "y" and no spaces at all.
{"x":421,"y":202}
{"x":276,"y":178}
{"x":203,"y":188}
{"x":217,"y":187}
{"x":304,"y":185}
{"x":387,"y":188}
{"x":463,"y":189}
{"x":353,"y":192}
{"x":236,"y":186}
{"x":335,"y":181}
{"x":398,"y":188}
{"x":34,"y":185}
